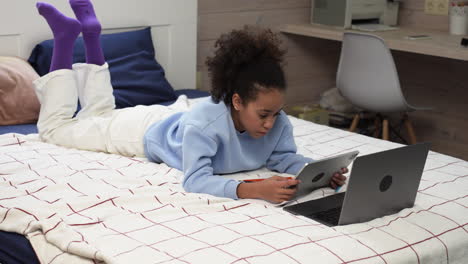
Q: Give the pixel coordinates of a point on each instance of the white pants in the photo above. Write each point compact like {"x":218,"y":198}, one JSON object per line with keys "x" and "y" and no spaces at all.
{"x":98,"y":126}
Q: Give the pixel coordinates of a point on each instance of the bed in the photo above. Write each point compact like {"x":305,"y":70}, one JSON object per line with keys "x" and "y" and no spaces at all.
{"x":76,"y":206}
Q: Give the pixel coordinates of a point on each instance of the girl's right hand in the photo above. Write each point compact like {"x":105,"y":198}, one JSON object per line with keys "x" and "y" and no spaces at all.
{"x":275,"y":189}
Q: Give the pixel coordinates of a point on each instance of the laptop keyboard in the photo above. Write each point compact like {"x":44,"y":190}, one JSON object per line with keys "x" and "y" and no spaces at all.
{"x":329,"y":216}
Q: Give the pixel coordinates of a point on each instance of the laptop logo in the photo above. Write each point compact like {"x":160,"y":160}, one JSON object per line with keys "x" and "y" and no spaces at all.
{"x":318,"y":177}
{"x":385,"y":183}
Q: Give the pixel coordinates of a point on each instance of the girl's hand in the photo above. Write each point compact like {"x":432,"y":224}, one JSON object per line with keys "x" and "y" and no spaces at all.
{"x":275,"y":189}
{"x":338,"y":178}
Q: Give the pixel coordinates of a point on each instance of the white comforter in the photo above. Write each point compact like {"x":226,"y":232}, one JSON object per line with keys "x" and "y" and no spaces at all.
{"x":79,"y":206}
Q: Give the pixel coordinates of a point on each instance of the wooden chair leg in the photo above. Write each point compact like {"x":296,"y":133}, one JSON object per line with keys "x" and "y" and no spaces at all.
{"x":385,"y":129}
{"x":355,"y":123}
{"x":410,"y":130}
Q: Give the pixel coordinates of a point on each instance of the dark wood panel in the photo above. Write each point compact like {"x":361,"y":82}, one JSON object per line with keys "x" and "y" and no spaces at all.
{"x":433,"y":81}
{"x":217,"y":6}
{"x":296,"y":46}
{"x":211,"y":26}
{"x":418,"y":19}
{"x":446,"y":133}
{"x":307,"y":91}
{"x":412,"y":5}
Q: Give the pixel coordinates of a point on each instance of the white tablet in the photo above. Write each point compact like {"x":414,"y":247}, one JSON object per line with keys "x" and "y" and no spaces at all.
{"x":319,"y":173}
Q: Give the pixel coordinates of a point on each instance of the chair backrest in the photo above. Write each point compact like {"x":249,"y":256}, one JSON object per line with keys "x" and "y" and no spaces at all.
{"x":367,"y":75}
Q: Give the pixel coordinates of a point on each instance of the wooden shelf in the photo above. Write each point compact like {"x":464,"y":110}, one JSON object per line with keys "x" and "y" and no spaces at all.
{"x":440,"y":44}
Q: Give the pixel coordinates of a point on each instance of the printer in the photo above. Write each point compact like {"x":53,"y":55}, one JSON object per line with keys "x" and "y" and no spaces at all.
{"x":345,"y":13}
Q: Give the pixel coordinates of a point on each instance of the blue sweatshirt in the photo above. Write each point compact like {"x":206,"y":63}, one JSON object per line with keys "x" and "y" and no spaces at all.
{"x":204,"y":143}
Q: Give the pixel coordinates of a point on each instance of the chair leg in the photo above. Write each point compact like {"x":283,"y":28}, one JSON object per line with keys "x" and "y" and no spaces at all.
{"x":385,"y":129}
{"x":410,"y":130}
{"x":355,"y":123}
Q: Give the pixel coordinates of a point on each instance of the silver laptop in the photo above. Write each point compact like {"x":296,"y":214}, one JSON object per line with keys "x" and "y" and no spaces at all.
{"x":380,"y":184}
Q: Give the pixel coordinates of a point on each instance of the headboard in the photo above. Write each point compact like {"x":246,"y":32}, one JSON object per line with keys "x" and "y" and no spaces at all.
{"x":173,"y":26}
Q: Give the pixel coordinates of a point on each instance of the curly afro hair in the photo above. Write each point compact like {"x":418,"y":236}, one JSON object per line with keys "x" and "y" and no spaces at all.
{"x":246,"y":61}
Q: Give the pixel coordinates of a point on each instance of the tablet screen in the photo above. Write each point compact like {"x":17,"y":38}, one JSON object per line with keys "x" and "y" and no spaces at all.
{"x":319,"y":173}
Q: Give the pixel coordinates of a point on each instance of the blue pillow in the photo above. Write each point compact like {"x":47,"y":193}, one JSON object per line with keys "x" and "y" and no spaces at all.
{"x":136,"y":76}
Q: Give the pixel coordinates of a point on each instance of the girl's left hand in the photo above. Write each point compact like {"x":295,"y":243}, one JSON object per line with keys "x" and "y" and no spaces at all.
{"x":338,"y":178}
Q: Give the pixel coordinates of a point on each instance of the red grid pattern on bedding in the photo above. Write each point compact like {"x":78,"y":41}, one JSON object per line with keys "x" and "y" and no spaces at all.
{"x":114,"y":209}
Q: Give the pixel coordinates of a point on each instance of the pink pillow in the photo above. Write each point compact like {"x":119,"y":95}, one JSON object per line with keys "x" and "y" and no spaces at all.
{"x":18,"y":101}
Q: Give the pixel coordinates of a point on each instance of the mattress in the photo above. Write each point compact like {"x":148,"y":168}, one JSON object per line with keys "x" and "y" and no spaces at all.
{"x":87,"y":207}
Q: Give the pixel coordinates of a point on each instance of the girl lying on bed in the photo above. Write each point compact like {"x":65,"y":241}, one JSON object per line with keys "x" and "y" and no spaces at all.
{"x":241,"y":127}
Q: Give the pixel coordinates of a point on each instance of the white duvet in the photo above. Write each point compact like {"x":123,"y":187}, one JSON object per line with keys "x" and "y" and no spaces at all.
{"x":79,"y":206}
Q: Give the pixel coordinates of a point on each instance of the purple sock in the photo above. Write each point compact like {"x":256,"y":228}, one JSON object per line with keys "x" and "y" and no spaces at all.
{"x":91,"y":29}
{"x":65,"y":30}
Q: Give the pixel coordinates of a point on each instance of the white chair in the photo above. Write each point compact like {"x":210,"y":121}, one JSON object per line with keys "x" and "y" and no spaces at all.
{"x":367,"y":77}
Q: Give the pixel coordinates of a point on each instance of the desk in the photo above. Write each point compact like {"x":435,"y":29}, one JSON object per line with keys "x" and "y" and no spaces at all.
{"x":441,"y":44}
